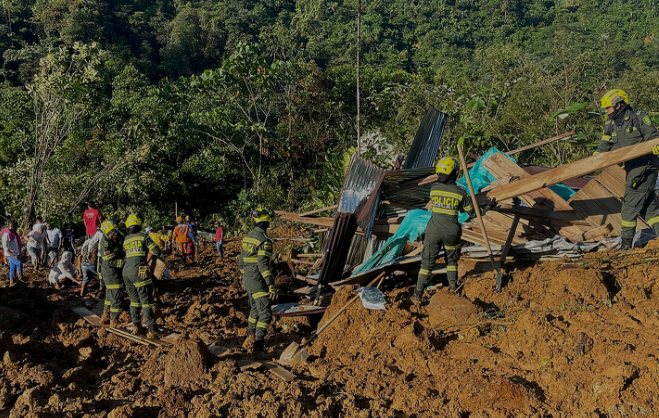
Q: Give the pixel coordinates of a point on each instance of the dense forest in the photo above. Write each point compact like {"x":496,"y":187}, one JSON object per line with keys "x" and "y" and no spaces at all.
{"x":214,"y":106}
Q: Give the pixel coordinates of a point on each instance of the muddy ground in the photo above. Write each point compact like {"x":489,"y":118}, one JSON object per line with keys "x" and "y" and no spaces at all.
{"x":563,"y":339}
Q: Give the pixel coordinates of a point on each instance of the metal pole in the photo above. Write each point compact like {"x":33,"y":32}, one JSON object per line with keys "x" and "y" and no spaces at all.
{"x":359,"y":43}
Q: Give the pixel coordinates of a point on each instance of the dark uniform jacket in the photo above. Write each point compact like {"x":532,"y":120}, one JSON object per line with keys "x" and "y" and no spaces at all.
{"x":635,"y":128}
{"x":137,"y":246}
{"x":112,"y":258}
{"x":447,"y":201}
{"x":254,"y":261}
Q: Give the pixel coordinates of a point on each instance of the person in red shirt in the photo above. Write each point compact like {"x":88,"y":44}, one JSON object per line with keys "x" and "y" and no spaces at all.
{"x":92,"y":218}
{"x":219,"y":236}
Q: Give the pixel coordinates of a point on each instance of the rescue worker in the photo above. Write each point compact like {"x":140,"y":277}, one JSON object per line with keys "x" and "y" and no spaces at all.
{"x":258,"y":280}
{"x":626,"y":126}
{"x":443,"y":229}
{"x":137,"y":277}
{"x":112,"y":261}
{"x":184,"y":240}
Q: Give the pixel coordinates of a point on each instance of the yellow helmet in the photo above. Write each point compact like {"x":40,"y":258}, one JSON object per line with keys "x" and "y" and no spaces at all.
{"x":262,"y":215}
{"x":445,"y":166}
{"x":133,"y":220}
{"x":108,"y":226}
{"x":612,"y":97}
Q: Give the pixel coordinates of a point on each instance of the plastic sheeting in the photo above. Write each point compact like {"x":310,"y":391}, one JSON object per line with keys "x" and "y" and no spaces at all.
{"x":410,"y":229}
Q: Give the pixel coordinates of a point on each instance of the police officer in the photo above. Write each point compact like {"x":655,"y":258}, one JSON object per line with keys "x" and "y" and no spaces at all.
{"x":626,"y":126}
{"x":137,"y":276}
{"x":112,"y":261}
{"x":258,"y":281}
{"x":443,"y":229}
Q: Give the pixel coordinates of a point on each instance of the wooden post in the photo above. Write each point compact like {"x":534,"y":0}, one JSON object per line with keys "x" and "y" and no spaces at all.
{"x":463,"y":163}
{"x":509,"y":240}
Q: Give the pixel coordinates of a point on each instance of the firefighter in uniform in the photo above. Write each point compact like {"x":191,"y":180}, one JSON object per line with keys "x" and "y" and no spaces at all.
{"x":258,"y":280}
{"x":137,"y":276}
{"x":626,"y":126}
{"x":111,"y":263}
{"x":443,"y":229}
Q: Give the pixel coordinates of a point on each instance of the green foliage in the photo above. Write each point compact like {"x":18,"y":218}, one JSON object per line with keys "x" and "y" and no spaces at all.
{"x":214,"y":106}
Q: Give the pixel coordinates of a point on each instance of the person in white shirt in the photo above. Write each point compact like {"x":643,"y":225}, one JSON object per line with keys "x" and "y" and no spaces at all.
{"x":63,"y":270}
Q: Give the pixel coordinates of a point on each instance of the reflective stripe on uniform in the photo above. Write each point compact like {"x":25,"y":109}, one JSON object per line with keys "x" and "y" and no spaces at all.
{"x":251,"y":320}
{"x":447,"y":194}
{"x":131,"y":240}
{"x":108,"y":257}
{"x":114,"y":286}
{"x":115,"y":310}
{"x":252,"y":241}
{"x":629,"y":224}
{"x":445,"y":211}
{"x":135,"y":304}
{"x":251,"y":260}
{"x":152,"y":246}
{"x":242,"y":271}
{"x":262,"y":325}
{"x":266,"y":273}
{"x":424,"y":272}
{"x":265,"y":253}
{"x":653,"y":221}
{"x":147,"y":305}
{"x":451,"y":268}
{"x":136,"y":254}
{"x":468,"y":208}
{"x":143,"y":283}
{"x":451,"y":247}
{"x":259,"y":295}
{"x":108,"y":303}
{"x":606,"y":138}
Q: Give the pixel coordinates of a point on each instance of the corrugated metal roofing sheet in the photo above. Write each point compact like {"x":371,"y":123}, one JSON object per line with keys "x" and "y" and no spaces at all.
{"x":423,"y":152}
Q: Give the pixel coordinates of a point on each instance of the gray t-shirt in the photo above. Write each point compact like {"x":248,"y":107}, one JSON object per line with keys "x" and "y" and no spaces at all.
{"x":54,"y":236}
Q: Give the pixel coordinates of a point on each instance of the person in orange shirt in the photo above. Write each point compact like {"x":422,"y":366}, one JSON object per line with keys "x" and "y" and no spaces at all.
{"x":184,"y":240}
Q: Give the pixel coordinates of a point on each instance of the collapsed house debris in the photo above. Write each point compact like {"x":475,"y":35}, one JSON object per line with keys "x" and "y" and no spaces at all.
{"x":541,"y":211}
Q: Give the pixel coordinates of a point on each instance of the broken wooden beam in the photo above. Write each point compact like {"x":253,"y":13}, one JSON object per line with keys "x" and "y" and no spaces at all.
{"x":571,"y":170}
{"x":313,"y":212}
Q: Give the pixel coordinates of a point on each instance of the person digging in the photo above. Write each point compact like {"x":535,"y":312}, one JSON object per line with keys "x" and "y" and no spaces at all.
{"x":258,"y":281}
{"x":444,"y":229}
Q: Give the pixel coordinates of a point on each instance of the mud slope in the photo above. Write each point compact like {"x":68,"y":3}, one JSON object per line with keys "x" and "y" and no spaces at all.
{"x":561,"y":340}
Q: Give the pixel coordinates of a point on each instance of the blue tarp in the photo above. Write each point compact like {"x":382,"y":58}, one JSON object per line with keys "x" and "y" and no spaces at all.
{"x":409,"y":230}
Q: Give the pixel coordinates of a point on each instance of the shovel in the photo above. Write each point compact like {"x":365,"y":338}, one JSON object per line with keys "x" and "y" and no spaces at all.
{"x":295,"y":353}
{"x":499,"y":282}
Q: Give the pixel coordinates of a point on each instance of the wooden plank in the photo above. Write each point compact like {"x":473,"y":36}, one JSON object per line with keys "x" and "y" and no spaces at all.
{"x":597,"y":205}
{"x":293,"y":217}
{"x":305,"y":262}
{"x":274,"y":368}
{"x":313,"y":212}
{"x":309,"y":255}
{"x":306,"y":279}
{"x":572,"y":170}
{"x":551,"y":200}
{"x":95,"y":320}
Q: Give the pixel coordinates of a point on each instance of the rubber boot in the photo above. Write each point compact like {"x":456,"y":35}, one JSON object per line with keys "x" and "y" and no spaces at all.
{"x":153,"y":334}
{"x":626,"y":244}
{"x":105,"y":318}
{"x":138,"y":330}
{"x":416,"y":297}
{"x":452,"y":287}
{"x":249,"y":342}
{"x":258,"y":350}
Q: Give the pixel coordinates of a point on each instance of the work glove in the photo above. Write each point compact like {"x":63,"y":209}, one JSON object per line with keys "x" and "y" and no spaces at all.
{"x":655,"y":150}
{"x":492,"y":203}
{"x":143,"y":272}
{"x":272,"y":292}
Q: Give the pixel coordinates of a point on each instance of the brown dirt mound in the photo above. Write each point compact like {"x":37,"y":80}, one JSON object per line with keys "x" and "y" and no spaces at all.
{"x":186,"y":362}
{"x":447,"y":310}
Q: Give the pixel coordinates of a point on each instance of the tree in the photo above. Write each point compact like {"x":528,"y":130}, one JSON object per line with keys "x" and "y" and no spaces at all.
{"x":61,"y":92}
